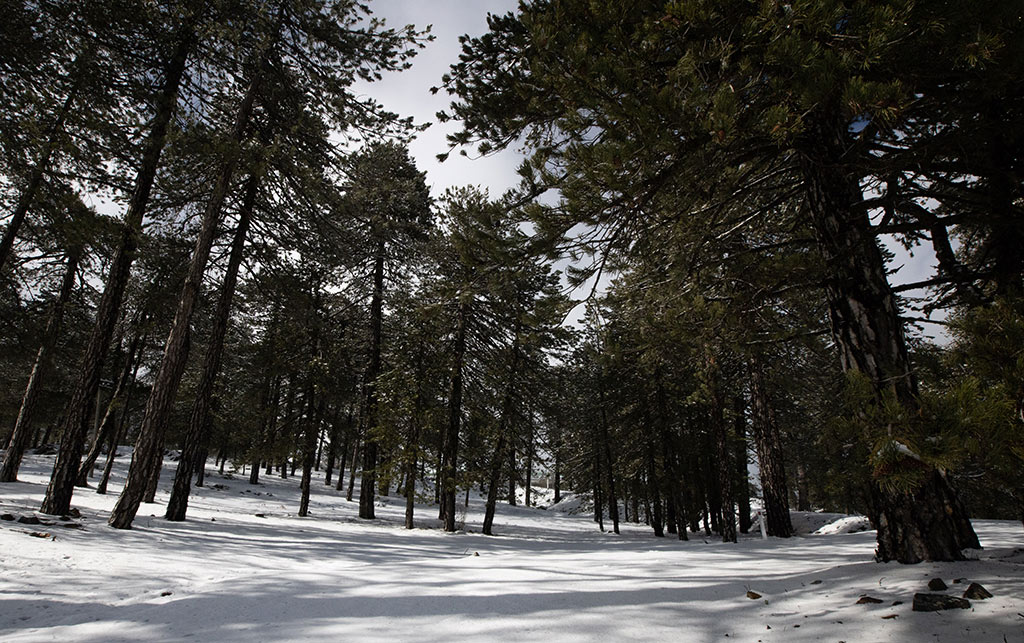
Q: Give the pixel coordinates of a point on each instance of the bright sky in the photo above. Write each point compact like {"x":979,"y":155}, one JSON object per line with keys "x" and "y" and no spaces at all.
{"x":408,"y":93}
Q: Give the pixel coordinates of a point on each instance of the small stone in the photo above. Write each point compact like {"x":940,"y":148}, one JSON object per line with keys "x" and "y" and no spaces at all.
{"x":888,"y":616}
{"x":166,"y":593}
{"x":816,"y":582}
{"x":753,"y":595}
{"x":28,"y":520}
{"x":957,"y":581}
{"x":937,"y":602}
{"x":977,"y":592}
{"x":476,"y":553}
{"x":6,"y":516}
{"x":864,"y":600}
{"x":937,"y":585}
{"x":261,"y":515}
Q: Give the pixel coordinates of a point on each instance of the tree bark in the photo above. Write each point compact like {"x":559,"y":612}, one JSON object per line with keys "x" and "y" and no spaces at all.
{"x":928,"y":523}
{"x":75,"y":424}
{"x":609,"y":469}
{"x":22,"y":432}
{"x":314,"y":415}
{"x":768,"y":445}
{"x":450,"y":448}
{"x":368,"y":484}
{"x":199,"y":419}
{"x":172,"y":366}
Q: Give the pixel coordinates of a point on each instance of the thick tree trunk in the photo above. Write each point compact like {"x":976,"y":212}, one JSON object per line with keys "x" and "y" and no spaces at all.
{"x":768,"y":445}
{"x":928,"y":523}
{"x":199,"y":419}
{"x":450,"y":449}
{"x":368,"y":484}
{"x":23,"y":425}
{"x":172,"y":366}
{"x":75,"y":424}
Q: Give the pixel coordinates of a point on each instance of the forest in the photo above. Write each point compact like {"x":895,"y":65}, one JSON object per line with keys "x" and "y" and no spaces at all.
{"x":215,"y":245}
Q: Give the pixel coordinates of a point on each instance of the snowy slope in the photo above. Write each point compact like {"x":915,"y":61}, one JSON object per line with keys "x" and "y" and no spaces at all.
{"x":228,"y":575}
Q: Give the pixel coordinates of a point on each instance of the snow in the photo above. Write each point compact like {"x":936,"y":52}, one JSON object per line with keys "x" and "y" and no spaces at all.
{"x":845,"y":525}
{"x":227,"y":574}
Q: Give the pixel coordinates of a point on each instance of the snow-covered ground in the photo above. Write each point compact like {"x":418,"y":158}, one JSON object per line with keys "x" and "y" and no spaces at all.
{"x":245,"y":568}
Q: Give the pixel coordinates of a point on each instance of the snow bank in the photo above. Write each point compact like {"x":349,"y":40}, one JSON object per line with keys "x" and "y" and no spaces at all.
{"x":847,"y":525}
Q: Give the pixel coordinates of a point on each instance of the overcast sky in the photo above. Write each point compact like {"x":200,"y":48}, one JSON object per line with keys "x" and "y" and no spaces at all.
{"x":408,"y":92}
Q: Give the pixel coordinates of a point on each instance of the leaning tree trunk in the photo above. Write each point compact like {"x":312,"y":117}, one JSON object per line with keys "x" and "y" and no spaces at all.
{"x":75,"y":424}
{"x":172,"y":366}
{"x":138,"y":346}
{"x":107,"y":433}
{"x":503,"y":429}
{"x":450,"y":448}
{"x":768,"y":445}
{"x":23,"y":425}
{"x":368,"y":483}
{"x":927,"y":522}
{"x":196,"y":436}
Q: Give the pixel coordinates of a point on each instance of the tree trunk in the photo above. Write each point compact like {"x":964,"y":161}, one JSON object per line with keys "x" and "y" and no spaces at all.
{"x":314,"y":415}
{"x":740,"y":460}
{"x":724,"y":468}
{"x":450,"y":449}
{"x":653,"y":483}
{"x":172,"y":366}
{"x":513,"y":476}
{"x":135,"y":352}
{"x":769,"y":454}
{"x":929,"y":522}
{"x":75,"y":424}
{"x":343,"y":455}
{"x":368,"y":484}
{"x":609,"y":467}
{"x":107,"y":431}
{"x":493,"y":482}
{"x":23,"y":425}
{"x":352,"y":473}
{"x":199,"y":419}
